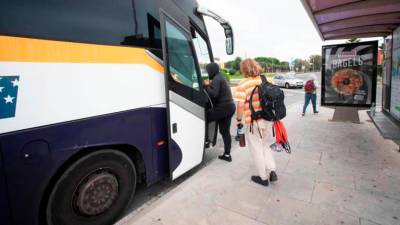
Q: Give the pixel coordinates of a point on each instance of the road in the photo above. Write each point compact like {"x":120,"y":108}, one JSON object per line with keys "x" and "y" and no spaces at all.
{"x":145,"y":197}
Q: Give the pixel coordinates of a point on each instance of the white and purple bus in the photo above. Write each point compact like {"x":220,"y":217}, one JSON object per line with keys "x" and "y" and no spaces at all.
{"x":95,"y":97}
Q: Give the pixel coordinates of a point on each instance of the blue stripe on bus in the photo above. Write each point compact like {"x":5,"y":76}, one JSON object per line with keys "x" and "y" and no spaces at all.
{"x":49,"y":147}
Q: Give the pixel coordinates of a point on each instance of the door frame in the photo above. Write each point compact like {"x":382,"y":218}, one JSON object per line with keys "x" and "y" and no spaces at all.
{"x":204,"y":35}
{"x":164,"y":16}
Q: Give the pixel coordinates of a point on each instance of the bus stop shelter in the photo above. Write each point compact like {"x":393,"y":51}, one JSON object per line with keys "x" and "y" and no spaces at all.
{"x":347,"y":19}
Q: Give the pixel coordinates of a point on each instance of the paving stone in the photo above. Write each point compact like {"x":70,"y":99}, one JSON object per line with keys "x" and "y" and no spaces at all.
{"x":297,"y":187}
{"x":382,"y":185}
{"x":367,"y":222}
{"x":247,"y":200}
{"x":222,"y":216}
{"x":302,"y":167}
{"x":364,"y":204}
{"x":339,"y":178}
{"x":283,"y":210}
{"x":338,"y":173}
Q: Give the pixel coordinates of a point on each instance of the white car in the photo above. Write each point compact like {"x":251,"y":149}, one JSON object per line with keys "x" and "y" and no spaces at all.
{"x":287,"y":81}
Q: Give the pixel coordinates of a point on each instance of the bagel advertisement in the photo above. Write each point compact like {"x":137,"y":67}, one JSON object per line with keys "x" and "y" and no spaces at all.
{"x":349,"y":74}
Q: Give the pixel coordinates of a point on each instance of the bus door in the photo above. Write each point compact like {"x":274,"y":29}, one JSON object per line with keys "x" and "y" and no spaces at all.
{"x":186,"y":100}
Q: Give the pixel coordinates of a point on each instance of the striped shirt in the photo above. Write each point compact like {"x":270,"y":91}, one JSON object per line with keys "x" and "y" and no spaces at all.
{"x":243,"y":93}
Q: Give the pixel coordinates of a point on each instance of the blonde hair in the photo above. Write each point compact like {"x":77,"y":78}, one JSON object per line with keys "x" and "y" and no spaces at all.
{"x":250,"y":68}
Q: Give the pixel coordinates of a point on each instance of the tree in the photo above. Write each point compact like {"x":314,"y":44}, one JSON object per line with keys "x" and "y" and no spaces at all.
{"x":232,"y":71}
{"x":269,"y":64}
{"x":225,"y":75}
{"x":234,"y":64}
{"x":353,"y":40}
{"x":284,"y":66}
{"x":301,"y":65}
{"x":315,"y":62}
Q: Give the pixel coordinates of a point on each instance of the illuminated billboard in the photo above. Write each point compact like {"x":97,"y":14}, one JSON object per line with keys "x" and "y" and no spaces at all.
{"x":349,"y":74}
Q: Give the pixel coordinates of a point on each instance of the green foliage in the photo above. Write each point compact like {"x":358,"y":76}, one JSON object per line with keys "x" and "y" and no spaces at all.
{"x":236,"y":76}
{"x":301,"y":65}
{"x":224,"y":70}
{"x":235,"y":64}
{"x":232,"y":71}
{"x":271,"y":64}
{"x":225,"y":74}
{"x":315,"y":62}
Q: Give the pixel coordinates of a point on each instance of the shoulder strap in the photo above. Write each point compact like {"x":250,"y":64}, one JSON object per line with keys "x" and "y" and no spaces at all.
{"x":251,"y":99}
{"x":264,"y":79}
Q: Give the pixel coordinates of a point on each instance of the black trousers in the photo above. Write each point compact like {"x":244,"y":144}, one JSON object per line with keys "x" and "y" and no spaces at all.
{"x":222,"y":114}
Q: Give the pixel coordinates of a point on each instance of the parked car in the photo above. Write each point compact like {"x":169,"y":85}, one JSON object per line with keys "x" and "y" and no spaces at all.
{"x":287,"y":81}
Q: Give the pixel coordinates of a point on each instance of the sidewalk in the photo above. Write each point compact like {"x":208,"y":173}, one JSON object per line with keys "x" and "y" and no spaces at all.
{"x":338,"y":173}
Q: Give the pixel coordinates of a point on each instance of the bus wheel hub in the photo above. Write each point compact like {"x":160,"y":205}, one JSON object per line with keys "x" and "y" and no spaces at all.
{"x":97,"y":194}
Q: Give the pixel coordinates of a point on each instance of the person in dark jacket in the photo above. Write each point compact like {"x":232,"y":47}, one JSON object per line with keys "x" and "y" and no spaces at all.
{"x":224,"y":107}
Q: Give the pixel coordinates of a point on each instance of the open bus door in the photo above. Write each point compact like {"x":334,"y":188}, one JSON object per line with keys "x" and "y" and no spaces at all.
{"x":186,"y":52}
{"x":186,"y":100}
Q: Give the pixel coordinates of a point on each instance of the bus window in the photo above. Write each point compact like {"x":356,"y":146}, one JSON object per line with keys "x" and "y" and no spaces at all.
{"x":181,"y":63}
{"x":154,"y":36}
{"x":202,"y":53}
{"x":90,"y":21}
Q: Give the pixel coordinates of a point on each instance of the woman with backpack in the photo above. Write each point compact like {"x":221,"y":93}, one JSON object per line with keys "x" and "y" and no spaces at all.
{"x":310,"y":90}
{"x":258,"y":133}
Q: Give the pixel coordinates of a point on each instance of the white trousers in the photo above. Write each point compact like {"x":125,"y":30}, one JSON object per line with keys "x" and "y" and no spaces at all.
{"x":259,"y":147}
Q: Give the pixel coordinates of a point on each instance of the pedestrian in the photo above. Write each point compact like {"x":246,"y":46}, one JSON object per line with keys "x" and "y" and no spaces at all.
{"x":310,"y":90}
{"x":258,"y":135}
{"x":224,"y":107}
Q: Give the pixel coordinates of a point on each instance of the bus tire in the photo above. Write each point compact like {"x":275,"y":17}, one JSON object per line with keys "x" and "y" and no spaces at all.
{"x":94,"y":190}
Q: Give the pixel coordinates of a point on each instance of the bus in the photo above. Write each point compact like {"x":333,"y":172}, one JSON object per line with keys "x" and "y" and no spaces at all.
{"x":97,"y":96}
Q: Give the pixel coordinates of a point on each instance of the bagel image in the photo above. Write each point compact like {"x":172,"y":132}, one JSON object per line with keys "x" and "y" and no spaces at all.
{"x":347,"y":81}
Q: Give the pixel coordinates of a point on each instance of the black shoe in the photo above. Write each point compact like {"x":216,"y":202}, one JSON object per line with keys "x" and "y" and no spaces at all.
{"x":303,"y":114}
{"x":227,"y":158}
{"x":273,"y":177}
{"x":258,"y":180}
{"x":316,"y":112}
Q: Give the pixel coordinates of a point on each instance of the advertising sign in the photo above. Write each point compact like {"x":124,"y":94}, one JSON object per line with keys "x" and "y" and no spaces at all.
{"x":349,"y":74}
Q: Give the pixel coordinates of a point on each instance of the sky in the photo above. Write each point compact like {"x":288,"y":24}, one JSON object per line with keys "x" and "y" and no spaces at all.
{"x":273,"y":28}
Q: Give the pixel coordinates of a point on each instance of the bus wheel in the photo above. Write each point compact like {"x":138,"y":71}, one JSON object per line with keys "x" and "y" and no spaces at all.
{"x":94,"y":190}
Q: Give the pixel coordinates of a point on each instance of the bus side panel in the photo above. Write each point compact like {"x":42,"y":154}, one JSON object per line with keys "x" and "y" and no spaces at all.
{"x":160,"y":142}
{"x":33,"y":156}
{"x":4,"y":207}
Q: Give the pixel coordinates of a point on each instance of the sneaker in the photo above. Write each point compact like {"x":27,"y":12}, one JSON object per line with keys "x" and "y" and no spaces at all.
{"x":258,"y":180}
{"x":227,"y":158}
{"x":276,"y":147}
{"x":316,"y":112}
{"x":303,"y":114}
{"x":273,"y":177}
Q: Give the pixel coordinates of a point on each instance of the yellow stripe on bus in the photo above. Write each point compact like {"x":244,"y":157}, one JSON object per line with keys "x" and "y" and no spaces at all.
{"x":16,"y":49}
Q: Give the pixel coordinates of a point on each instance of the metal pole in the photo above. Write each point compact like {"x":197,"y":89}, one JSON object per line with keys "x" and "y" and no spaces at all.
{"x":313,"y":68}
